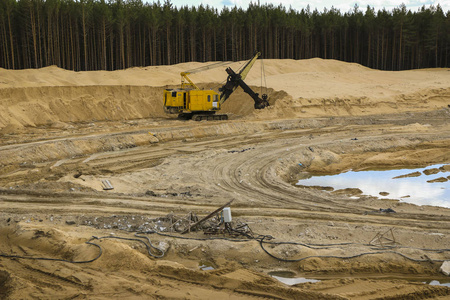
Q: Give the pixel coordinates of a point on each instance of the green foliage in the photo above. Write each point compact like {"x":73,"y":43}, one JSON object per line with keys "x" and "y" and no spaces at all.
{"x":117,"y":34}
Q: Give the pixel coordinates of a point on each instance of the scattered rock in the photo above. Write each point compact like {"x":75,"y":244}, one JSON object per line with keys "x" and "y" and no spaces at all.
{"x":163,"y":246}
{"x":445,"y":268}
{"x":70,"y":222}
{"x":387,"y":210}
{"x":151,"y":193}
{"x":240,"y":151}
{"x":384,"y":193}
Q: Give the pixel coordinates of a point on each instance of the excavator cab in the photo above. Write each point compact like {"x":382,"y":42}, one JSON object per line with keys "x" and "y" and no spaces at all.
{"x":179,"y":101}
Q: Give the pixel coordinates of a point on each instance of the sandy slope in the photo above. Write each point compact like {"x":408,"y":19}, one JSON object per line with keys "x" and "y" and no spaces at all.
{"x":315,"y":86}
{"x":63,"y":132}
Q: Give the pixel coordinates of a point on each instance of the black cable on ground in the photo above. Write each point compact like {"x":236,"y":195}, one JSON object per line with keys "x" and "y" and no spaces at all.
{"x":261,"y":243}
{"x":375,"y":247}
{"x":60,"y":259}
{"x":197,"y":239}
{"x":261,"y":239}
{"x":149,"y":247}
{"x":264,"y":239}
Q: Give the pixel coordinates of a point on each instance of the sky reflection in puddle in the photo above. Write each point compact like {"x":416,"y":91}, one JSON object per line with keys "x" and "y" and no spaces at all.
{"x":420,"y":191}
{"x":436,"y":282}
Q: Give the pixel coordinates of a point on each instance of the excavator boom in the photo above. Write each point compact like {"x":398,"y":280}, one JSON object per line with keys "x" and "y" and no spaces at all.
{"x":249,"y":65}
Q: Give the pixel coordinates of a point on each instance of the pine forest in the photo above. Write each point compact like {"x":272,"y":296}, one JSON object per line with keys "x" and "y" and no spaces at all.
{"x":109,"y":35}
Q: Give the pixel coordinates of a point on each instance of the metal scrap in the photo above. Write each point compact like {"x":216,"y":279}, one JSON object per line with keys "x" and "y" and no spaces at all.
{"x":106,"y":185}
{"x":384,"y":240}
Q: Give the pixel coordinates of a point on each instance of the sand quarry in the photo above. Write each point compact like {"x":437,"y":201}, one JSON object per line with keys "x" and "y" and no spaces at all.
{"x":63,"y":133}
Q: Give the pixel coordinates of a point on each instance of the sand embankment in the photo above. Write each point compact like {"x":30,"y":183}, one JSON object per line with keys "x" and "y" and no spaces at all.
{"x":302,"y":88}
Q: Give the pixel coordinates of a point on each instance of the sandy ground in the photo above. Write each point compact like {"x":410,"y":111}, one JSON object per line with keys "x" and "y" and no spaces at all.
{"x":62,"y":133}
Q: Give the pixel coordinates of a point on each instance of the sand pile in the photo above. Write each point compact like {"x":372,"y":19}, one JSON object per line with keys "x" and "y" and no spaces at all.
{"x":304,"y":88}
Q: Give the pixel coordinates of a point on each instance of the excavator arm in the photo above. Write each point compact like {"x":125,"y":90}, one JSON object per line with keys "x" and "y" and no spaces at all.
{"x":184,"y":78}
{"x":237,"y":79}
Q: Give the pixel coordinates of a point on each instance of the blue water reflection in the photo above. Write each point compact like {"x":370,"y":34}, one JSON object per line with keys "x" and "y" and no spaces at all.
{"x":414,"y":190}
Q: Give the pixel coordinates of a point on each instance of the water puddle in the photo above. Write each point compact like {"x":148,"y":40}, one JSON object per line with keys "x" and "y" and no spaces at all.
{"x":420,"y":186}
{"x":206,"y":265}
{"x":436,"y":282}
{"x":289,"y":278}
{"x":429,"y":281}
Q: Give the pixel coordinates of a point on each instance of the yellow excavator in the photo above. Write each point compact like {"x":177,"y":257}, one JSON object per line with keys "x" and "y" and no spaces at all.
{"x":191,"y":102}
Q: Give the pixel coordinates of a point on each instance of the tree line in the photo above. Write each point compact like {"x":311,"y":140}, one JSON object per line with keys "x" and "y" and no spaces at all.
{"x":116,"y":34}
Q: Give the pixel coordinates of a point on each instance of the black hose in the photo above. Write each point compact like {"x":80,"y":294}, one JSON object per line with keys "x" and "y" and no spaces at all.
{"x":264,"y":239}
{"x":261,"y":243}
{"x":100,"y":252}
{"x":149,"y":247}
{"x":261,"y":239}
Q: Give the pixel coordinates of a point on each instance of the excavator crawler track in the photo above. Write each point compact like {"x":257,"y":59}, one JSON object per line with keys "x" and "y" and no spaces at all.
{"x":209,"y":117}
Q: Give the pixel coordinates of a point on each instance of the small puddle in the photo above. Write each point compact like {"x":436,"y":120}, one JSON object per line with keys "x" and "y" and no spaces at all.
{"x":289,"y":278}
{"x":206,"y":265}
{"x":430,"y":281}
{"x":436,"y":282}
{"x":420,"y":186}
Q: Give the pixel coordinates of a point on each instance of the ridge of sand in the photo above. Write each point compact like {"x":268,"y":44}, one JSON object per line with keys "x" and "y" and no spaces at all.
{"x":166,"y":75}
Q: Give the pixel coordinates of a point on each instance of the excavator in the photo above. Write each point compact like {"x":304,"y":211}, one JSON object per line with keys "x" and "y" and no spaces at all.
{"x":191,"y":102}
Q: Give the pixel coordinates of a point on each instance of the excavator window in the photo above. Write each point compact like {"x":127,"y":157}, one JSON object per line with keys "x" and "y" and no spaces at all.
{"x":209,"y":98}
{"x":174,"y":94}
{"x":216,"y":98}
